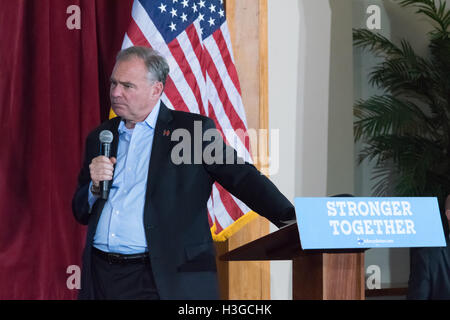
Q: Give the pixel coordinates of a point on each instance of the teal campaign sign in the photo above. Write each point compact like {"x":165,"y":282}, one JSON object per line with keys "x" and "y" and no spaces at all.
{"x":350,"y":222}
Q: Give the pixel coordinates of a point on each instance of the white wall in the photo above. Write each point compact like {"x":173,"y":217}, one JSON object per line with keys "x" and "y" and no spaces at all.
{"x":299,"y":75}
{"x":312,"y":100}
{"x":315,"y":76}
{"x":340,"y":177}
{"x":284,"y":27}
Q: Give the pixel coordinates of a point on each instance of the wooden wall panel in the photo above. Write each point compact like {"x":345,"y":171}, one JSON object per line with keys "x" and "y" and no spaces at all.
{"x":247,"y":21}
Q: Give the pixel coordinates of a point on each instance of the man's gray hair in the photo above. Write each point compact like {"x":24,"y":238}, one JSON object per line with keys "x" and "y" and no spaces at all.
{"x":156,"y":64}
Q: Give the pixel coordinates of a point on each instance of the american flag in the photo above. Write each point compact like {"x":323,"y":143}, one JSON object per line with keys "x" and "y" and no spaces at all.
{"x":193,"y":35}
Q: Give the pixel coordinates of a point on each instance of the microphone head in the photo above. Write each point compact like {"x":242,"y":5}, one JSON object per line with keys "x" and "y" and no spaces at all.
{"x":106,"y":136}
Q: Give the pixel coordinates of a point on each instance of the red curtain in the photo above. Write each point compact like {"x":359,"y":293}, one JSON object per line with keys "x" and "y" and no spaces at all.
{"x":53,"y":91}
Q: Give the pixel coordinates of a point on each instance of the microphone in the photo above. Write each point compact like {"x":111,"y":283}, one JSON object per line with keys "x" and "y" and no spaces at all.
{"x":106,"y":137}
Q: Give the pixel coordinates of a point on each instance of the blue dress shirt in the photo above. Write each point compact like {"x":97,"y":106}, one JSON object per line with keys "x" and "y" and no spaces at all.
{"x":121,"y":225}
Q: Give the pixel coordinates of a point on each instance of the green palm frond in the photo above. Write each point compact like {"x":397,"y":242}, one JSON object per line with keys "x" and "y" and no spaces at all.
{"x":406,"y":131}
{"x":381,"y":115}
{"x":374,"y":42}
{"x":383,"y":180}
{"x":435,"y":10}
{"x":403,"y":72}
{"x":406,"y":151}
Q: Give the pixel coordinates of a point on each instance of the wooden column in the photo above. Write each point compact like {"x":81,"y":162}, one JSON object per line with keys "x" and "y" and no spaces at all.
{"x":247,"y":21}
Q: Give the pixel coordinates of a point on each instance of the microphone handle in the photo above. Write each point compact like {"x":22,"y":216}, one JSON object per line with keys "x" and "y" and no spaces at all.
{"x":104,"y":185}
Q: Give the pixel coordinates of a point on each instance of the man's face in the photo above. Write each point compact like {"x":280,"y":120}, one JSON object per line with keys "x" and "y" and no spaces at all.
{"x":132,"y":94}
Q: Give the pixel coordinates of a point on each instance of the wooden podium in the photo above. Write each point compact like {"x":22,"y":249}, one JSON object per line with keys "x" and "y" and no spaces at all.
{"x":316,"y":274}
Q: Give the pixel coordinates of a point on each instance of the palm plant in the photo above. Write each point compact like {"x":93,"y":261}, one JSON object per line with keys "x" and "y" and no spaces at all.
{"x":406,"y":131}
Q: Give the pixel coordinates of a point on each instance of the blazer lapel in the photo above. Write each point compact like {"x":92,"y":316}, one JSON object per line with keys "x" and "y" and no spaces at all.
{"x":160,"y":148}
{"x":113,"y":127}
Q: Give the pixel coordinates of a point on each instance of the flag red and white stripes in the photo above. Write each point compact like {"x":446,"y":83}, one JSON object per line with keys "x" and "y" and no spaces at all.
{"x":193,"y":36}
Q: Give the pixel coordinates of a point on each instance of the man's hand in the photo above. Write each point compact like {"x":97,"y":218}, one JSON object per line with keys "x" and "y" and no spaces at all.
{"x":102,"y":169}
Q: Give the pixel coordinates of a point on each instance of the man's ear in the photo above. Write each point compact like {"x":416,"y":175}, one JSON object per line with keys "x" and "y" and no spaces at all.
{"x":157,"y":89}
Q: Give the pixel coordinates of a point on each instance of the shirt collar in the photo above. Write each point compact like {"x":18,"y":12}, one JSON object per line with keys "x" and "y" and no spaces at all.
{"x":150,"y":120}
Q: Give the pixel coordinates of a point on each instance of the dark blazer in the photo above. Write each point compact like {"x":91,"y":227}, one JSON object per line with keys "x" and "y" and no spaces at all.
{"x":429,"y":277}
{"x":176,"y":225}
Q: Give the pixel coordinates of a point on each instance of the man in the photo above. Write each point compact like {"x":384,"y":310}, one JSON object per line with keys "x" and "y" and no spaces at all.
{"x":429,"y":277}
{"x":151,"y":238}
